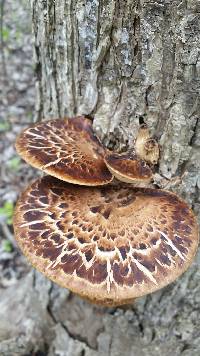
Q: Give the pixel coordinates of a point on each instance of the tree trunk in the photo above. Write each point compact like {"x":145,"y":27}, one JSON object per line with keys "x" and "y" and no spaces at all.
{"x":116,"y":61}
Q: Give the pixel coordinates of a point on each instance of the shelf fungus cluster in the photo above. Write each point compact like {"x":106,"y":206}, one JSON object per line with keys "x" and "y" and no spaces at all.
{"x":109,"y":243}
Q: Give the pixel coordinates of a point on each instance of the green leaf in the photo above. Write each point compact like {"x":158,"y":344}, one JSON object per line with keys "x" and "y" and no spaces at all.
{"x":5,"y":34}
{"x":7,"y":246}
{"x":14,"y":163}
{"x":7,"y":212}
{"x":9,"y":221}
{"x":4,"y":126}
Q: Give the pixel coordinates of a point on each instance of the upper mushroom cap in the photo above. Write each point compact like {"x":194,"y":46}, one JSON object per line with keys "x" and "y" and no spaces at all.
{"x":66,"y":149}
{"x":108,"y":244}
{"x":128,"y":167}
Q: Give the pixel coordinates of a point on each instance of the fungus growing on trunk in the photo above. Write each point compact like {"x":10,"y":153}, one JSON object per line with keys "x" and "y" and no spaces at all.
{"x":133,"y":165}
{"x":66,"y":149}
{"x":128,"y":168}
{"x":108,"y":244}
{"x":146,"y":147}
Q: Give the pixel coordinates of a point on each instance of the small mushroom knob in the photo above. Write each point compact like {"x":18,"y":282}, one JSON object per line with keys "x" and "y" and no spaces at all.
{"x":146,"y":147}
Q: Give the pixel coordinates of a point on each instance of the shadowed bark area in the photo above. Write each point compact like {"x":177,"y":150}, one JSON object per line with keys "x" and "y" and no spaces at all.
{"x":116,"y":61}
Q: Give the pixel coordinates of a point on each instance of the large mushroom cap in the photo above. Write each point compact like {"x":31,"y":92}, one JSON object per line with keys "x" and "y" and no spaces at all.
{"x":66,"y":149}
{"x":128,"y":167}
{"x":108,"y":244}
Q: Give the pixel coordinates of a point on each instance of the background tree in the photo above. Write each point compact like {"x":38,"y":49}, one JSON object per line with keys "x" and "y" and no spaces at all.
{"x":116,"y":61}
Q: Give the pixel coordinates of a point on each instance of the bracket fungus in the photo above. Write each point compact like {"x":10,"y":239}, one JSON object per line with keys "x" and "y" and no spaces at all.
{"x":108,"y":244}
{"x":66,"y":149}
{"x":128,"y":168}
{"x":135,"y":165}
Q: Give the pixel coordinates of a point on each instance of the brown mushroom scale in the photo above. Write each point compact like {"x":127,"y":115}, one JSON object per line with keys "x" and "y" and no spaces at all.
{"x":66,"y":149}
{"x":127,"y":167}
{"x":109,"y":244}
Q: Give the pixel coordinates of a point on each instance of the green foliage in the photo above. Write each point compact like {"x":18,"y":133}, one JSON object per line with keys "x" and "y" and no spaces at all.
{"x":5,"y":34}
{"x":7,"y":212}
{"x":14,"y":163}
{"x":7,"y":246}
{"x":4,"y":126}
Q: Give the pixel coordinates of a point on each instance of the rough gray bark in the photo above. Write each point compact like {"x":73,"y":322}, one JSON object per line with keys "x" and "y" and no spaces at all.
{"x":116,"y":60}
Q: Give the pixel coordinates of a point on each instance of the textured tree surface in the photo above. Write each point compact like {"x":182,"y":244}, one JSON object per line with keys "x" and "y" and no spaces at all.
{"x":117,"y":61}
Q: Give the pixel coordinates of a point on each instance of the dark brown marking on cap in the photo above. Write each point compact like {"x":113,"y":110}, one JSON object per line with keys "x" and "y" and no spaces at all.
{"x":56,"y":238}
{"x":61,"y":154}
{"x":96,"y":209}
{"x":33,"y":235}
{"x":123,"y":252}
{"x":106,"y":213}
{"x":89,"y":255}
{"x":98,"y":272}
{"x":164,"y":259}
{"x":149,"y":265}
{"x":98,"y":244}
{"x":128,"y":165}
{"x":38,"y":226}
{"x":33,"y":215}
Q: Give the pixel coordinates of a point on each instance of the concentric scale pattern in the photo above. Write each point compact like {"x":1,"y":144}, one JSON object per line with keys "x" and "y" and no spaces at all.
{"x":66,"y":149}
{"x":109,"y":244}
